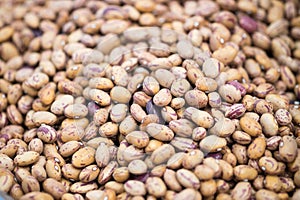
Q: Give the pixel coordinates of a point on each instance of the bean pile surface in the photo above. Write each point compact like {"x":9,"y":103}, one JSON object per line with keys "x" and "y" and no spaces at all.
{"x":150,"y":99}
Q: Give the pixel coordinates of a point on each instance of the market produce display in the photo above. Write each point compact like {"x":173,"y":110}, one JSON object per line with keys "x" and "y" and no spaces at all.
{"x":150,"y":99}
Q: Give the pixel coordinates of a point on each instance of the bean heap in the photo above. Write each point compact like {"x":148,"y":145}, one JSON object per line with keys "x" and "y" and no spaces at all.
{"x":150,"y":99}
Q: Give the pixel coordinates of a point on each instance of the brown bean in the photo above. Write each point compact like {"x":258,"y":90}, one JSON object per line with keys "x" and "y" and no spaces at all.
{"x":83,"y":157}
{"x":250,"y":126}
{"x":244,"y":172}
{"x":257,"y":148}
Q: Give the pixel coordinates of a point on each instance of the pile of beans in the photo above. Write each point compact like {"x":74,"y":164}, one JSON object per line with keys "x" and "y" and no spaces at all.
{"x":150,"y":99}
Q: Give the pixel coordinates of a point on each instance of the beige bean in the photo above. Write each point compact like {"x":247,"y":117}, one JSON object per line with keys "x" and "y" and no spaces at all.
{"x":14,"y":115}
{"x":39,"y":172}
{"x":179,"y":87}
{"x":54,"y":187}
{"x":263,"y":194}
{"x":196,"y":98}
{"x":102,"y":155}
{"x":241,"y":137}
{"x":277,"y":101}
{"x":241,"y":191}
{"x":224,"y":127}
{"x":47,"y":93}
{"x":116,"y":26}
{"x":288,"y":148}
{"x":132,"y":153}
{"x":6,"y":180}
{"x":137,"y":167}
{"x":82,"y":188}
{"x":127,"y":125}
{"x":16,"y":191}
{"x":171,"y":180}
{"x":160,"y":75}
{"x":159,"y":132}
{"x":183,"y":144}
{"x":27,"y":158}
{"x":76,"y":111}
{"x":53,"y":169}
{"x":109,"y":129}
{"x":156,"y":187}
{"x":44,"y":117}
{"x":139,"y":139}
{"x":6,"y":162}
{"x":192,"y":159}
{"x":89,"y":173}
{"x":46,"y":133}
{"x":212,"y":143}
{"x":187,"y":193}
{"x":185,"y":49}
{"x":70,"y":172}
{"x":120,"y":94}
{"x":36,"y":196}
{"x":229,"y":93}
{"x":158,"y":170}
{"x":115,"y":186}
{"x":269,"y":124}
{"x":204,"y":172}
{"x":72,"y":132}
{"x":268,"y":164}
{"x":240,"y":153}
{"x":6,"y":33}
{"x":187,"y":179}
{"x":162,"y":98}
{"x":10,"y":150}
{"x":37,"y":80}
{"x":199,"y":133}
{"x":30,"y":184}
{"x":118,"y":112}
{"x":135,"y":188}
{"x":202,"y":118}
{"x":36,"y":145}
{"x":50,"y":151}
{"x":14,"y":93}
{"x":100,"y":97}
{"x":162,"y":154}
{"x":182,"y":127}
{"x":168,"y":114}
{"x":211,"y":67}
{"x":68,"y":148}
{"x":150,"y":85}
{"x":121,"y":174}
